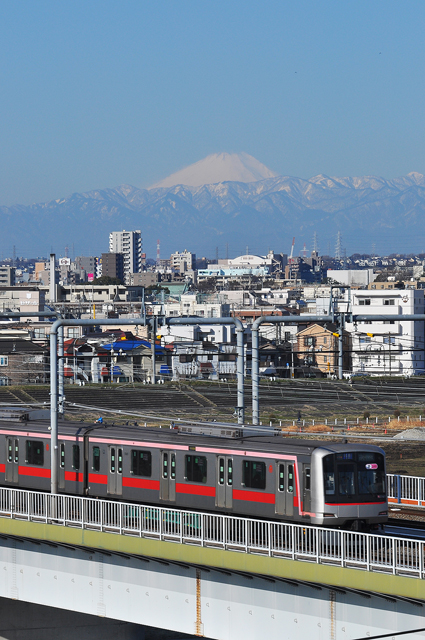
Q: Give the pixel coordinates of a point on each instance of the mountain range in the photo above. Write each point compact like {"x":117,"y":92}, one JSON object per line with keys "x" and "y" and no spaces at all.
{"x":261,"y":213}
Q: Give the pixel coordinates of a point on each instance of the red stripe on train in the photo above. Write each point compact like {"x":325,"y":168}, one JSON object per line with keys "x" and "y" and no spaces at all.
{"x":195,"y":490}
{"x":33,"y":471}
{"x":254,"y":496}
{"x":95,"y":478}
{"x":73,"y":476}
{"x":2,"y":468}
{"x":141,"y":484}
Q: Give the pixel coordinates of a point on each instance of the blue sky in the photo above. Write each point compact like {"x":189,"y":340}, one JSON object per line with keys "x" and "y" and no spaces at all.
{"x":95,"y":94}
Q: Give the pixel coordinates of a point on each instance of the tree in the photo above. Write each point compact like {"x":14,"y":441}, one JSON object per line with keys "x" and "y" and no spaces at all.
{"x":154,"y":289}
{"x":105,"y":280}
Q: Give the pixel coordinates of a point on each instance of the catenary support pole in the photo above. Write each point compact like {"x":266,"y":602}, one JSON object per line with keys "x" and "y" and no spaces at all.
{"x":239,"y":352}
{"x":61,"y":371}
{"x":153,"y":340}
{"x":54,"y":383}
{"x":340,"y":346}
{"x":255,"y":364}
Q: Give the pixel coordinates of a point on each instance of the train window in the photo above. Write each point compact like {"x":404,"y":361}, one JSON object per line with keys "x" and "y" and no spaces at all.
{"x":307,"y":479}
{"x":346,"y":486}
{"x":112,"y":453}
{"x":62,"y":455}
{"x":173,"y":466}
{"x":16,"y":451}
{"x":254,"y":474}
{"x":165,"y":465}
{"x":196,"y":468}
{"x":96,"y":458}
{"x":119,"y":461}
{"x":329,"y":475}
{"x":9,"y":450}
{"x":290,"y":484}
{"x":34,"y":452}
{"x":141,"y":463}
{"x":281,"y":483}
{"x":371,"y":474}
{"x":230,"y":472}
{"x":75,"y":456}
{"x":221,"y":471}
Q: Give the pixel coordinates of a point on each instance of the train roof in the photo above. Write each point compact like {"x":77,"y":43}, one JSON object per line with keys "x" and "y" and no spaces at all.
{"x":265,"y":443}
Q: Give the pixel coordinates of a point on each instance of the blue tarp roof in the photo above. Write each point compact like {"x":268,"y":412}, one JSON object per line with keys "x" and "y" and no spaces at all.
{"x":129,"y":345}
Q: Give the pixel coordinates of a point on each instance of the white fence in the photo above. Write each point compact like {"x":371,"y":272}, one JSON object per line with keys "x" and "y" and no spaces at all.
{"x":369,"y":552}
{"x":409,"y":490}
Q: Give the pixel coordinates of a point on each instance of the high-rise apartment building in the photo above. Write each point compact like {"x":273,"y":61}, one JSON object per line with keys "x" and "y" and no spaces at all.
{"x":129,"y":243}
{"x":113,"y":265}
{"x":183,"y":262}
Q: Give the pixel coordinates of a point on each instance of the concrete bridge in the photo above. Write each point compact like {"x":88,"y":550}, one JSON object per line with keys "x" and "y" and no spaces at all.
{"x":208,"y":575}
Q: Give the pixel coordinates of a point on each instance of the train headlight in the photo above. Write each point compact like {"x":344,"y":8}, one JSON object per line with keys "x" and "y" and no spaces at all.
{"x":329,"y":515}
{"x":383,"y":513}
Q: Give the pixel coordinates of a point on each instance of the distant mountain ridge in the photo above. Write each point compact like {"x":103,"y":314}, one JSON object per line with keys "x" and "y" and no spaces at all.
{"x":262,"y":214}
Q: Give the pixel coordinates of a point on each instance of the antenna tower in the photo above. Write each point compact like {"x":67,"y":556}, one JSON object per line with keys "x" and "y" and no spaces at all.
{"x":315,"y":245}
{"x":291,"y":259}
{"x":158,"y":254}
{"x":338,"y":247}
{"x":14,"y":257}
{"x":304,"y":251}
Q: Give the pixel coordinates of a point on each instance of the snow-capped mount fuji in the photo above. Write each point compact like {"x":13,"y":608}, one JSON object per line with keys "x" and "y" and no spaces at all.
{"x":218,"y":167}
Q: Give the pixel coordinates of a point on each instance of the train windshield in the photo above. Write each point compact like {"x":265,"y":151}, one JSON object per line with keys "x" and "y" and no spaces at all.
{"x":354,"y":476}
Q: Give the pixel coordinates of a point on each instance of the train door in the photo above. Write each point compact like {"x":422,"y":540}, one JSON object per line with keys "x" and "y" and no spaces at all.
{"x":285,"y":488}
{"x":12,"y":460}
{"x":168,"y":476}
{"x":306,"y":487}
{"x":224,"y":489}
{"x":115,"y":471}
{"x":61,"y":479}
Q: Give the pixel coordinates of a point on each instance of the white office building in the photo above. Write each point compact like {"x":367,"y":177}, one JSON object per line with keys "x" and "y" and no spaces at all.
{"x":388,"y":347}
{"x":129,"y":243}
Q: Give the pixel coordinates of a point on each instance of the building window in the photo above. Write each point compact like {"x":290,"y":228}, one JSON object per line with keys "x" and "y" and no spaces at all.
{"x":389,"y":340}
{"x":364,"y":339}
{"x":39,"y":333}
{"x":73,"y":332}
{"x":364,"y":301}
{"x":389,"y":301}
{"x":4,"y":361}
{"x":309,"y":341}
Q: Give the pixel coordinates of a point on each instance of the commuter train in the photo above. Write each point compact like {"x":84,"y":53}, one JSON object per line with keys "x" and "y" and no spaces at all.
{"x":217,"y":469}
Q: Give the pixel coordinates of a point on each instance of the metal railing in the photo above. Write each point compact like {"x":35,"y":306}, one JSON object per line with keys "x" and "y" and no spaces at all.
{"x":408,"y":490}
{"x":369,"y":552}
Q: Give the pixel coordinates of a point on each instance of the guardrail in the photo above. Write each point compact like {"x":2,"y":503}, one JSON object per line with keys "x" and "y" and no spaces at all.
{"x":369,"y":552}
{"x":409,"y":490}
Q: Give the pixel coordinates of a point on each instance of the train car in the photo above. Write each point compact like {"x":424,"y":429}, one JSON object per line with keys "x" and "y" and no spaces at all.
{"x":210,"y":469}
